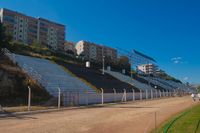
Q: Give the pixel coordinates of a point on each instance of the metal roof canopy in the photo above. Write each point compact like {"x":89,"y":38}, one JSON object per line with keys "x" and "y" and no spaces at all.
{"x":144,"y":56}
{"x":137,"y":58}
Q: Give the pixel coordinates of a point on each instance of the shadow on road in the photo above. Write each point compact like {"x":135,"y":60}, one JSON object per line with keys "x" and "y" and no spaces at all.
{"x":4,"y":115}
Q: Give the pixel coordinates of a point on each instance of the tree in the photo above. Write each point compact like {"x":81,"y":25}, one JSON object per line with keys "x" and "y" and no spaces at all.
{"x":4,"y":38}
{"x":198,"y":88}
{"x":124,"y":62}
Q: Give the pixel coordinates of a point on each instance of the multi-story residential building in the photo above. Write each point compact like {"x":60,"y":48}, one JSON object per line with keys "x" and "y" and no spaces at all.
{"x":28,"y":29}
{"x":70,"y":47}
{"x":147,"y":68}
{"x":160,"y":72}
{"x":92,"y":51}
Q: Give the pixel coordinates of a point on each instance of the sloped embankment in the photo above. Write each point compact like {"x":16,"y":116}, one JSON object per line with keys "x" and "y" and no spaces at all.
{"x":13,"y":85}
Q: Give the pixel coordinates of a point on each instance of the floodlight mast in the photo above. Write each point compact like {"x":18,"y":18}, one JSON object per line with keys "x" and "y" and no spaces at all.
{"x":137,"y":58}
{"x":147,"y":61}
{"x":103,"y":61}
{"x":130,"y":55}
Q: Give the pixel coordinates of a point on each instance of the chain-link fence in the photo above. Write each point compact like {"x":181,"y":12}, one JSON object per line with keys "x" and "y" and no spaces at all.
{"x":71,"y":98}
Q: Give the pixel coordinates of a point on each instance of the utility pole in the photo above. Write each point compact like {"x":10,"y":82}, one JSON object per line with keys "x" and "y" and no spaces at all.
{"x":131,"y":69}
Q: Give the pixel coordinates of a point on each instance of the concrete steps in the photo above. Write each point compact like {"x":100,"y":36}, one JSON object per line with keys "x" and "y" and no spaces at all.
{"x":50,"y":75}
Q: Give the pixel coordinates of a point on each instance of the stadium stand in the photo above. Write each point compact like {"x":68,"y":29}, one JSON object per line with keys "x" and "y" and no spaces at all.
{"x":97,"y":79}
{"x":156,"y":82}
{"x":142,"y":80}
{"x":167,"y":84}
{"x":50,"y":75}
{"x":129,"y":80}
{"x":175,"y":85}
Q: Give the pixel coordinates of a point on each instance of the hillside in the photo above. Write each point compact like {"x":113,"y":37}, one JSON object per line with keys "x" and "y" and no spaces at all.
{"x":13,"y":85}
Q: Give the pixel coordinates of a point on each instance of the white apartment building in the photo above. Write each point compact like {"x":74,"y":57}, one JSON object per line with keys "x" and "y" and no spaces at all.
{"x":28,"y":29}
{"x":92,"y":51}
{"x":147,"y":69}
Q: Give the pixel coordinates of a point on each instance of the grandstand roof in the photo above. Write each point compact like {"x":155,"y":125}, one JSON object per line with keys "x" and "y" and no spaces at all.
{"x":144,"y":56}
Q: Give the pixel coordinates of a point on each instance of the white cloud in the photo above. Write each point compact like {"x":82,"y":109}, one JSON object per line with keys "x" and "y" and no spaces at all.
{"x":178,"y":60}
{"x":185,"y":78}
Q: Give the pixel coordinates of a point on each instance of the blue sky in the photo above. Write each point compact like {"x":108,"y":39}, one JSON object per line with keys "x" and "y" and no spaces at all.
{"x":168,"y":30}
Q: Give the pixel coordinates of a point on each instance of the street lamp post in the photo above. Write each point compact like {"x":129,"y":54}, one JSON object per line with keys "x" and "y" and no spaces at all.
{"x":103,"y":65}
{"x":103,"y":62}
{"x":131,"y":70}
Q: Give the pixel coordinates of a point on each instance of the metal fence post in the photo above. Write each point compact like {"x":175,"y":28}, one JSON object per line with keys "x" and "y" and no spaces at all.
{"x":86,"y":100}
{"x":124,"y":95}
{"x":140,"y":94}
{"x":160,"y":93}
{"x":59,"y":97}
{"x":133,"y":94}
{"x":114,"y":94}
{"x":163,"y":93}
{"x":102,"y":98}
{"x":151,"y":94}
{"x":146,"y":94}
{"x":174,"y":92}
{"x":29,"y":98}
{"x":156,"y":93}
